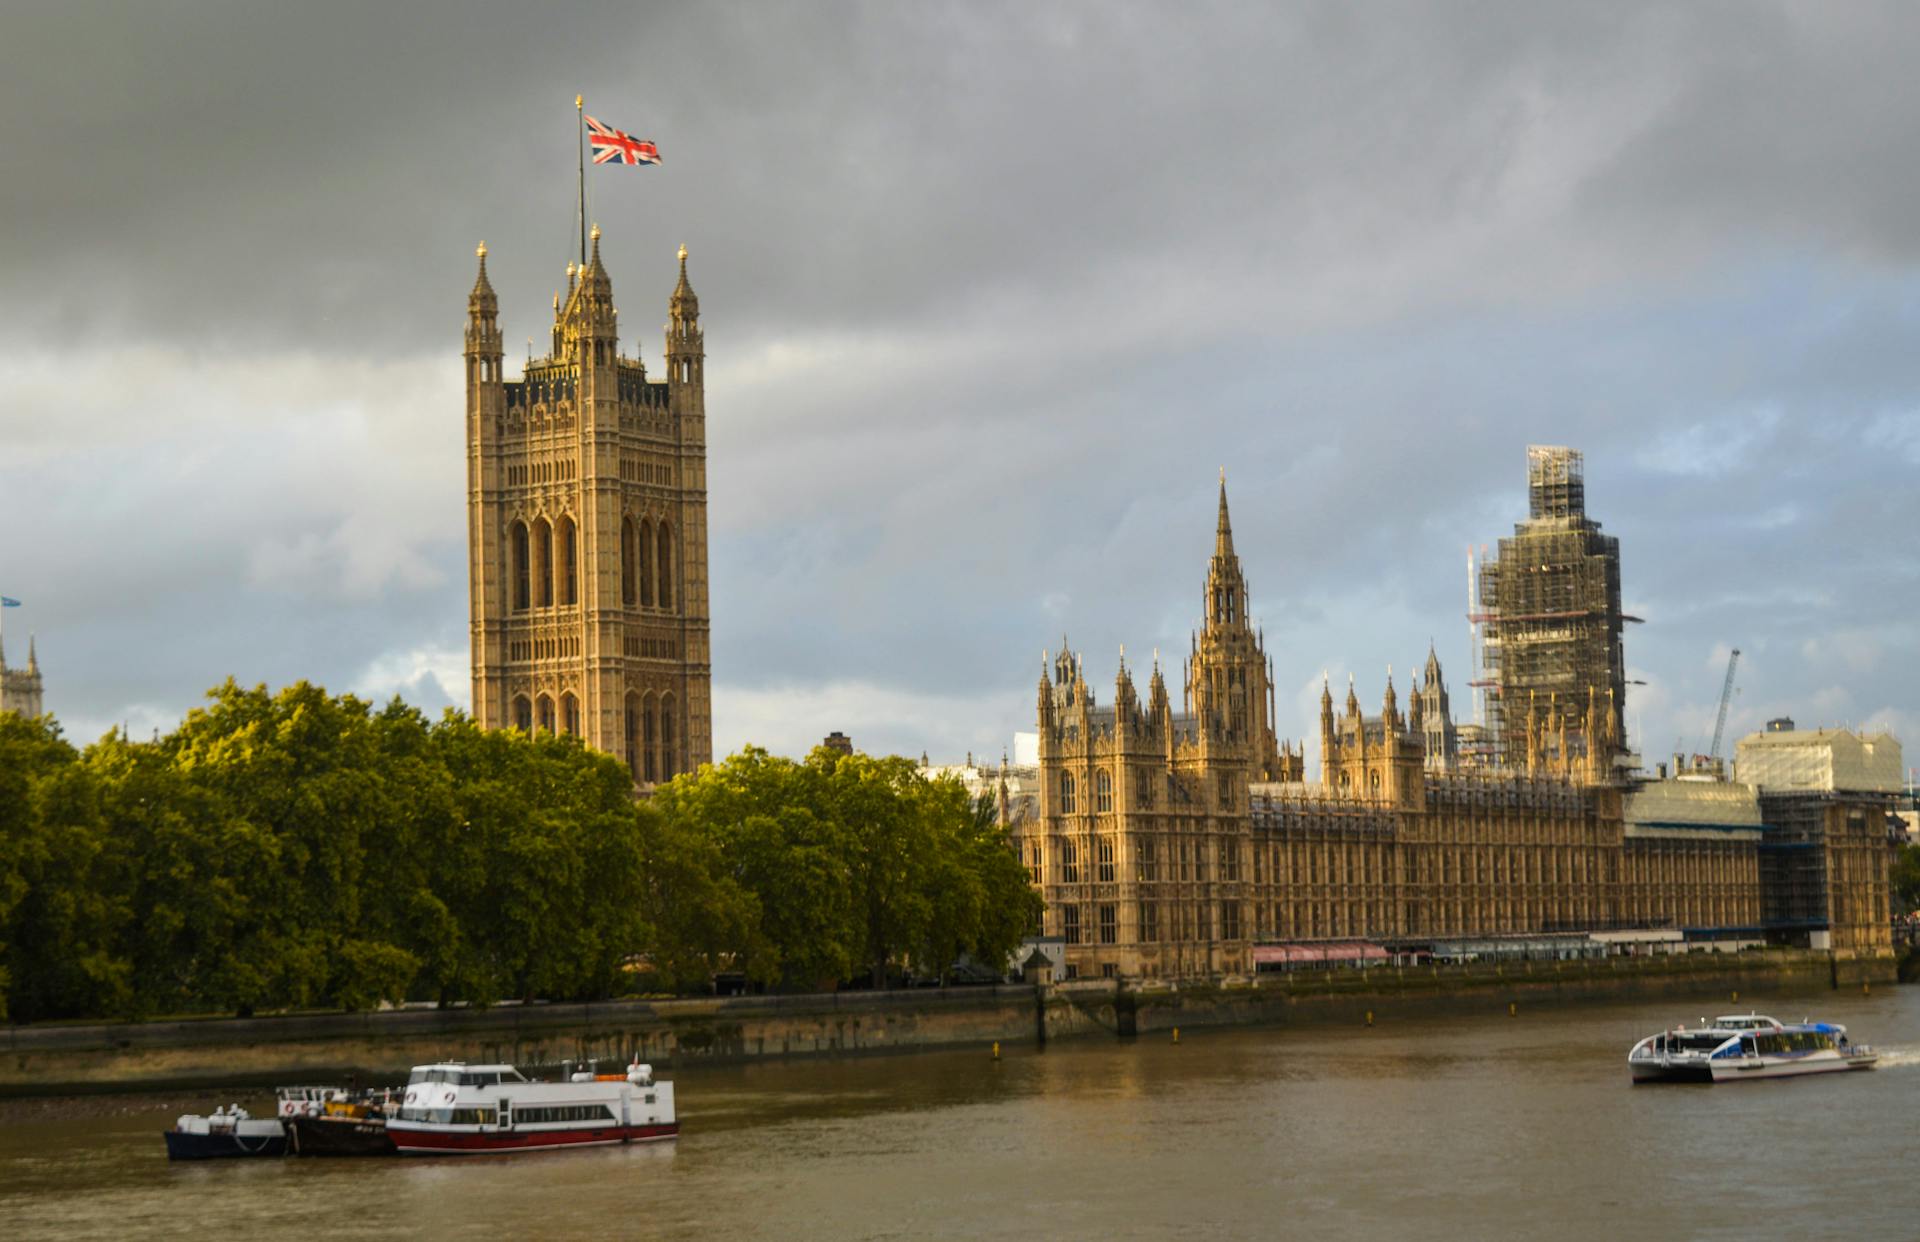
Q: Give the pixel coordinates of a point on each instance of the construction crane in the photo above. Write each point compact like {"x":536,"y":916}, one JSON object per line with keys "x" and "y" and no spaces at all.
{"x":1726,"y":697}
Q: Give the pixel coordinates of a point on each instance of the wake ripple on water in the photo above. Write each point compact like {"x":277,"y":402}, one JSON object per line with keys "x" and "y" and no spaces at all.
{"x":1901,"y":1056}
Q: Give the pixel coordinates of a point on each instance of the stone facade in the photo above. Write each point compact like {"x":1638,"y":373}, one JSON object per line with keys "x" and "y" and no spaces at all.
{"x":587,"y":530}
{"x":20,"y":688}
{"x":1169,"y":844}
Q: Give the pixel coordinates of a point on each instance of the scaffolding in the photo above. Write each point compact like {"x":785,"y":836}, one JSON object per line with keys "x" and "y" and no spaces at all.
{"x":1547,"y":618}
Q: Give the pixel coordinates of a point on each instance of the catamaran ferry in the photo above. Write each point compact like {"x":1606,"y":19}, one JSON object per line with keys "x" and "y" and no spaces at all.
{"x":1741,"y":1047}
{"x":457,"y":1109}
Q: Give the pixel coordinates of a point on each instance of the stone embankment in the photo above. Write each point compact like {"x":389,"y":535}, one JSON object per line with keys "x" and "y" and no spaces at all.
{"x":379,"y":1047}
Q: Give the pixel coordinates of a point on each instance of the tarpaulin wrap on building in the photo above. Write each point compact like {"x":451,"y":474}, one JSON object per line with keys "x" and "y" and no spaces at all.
{"x":1336,"y":952}
{"x":1694,"y":802}
{"x":1820,"y":761}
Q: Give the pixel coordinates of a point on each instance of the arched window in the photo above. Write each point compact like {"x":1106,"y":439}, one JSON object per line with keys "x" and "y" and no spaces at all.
{"x":649,"y":741}
{"x":570,"y":715}
{"x":632,"y":736}
{"x":543,"y":714}
{"x":1102,"y":791}
{"x":1066,"y":793}
{"x":523,"y":714}
{"x":1373,"y":782}
{"x":628,"y":551}
{"x":569,"y":566}
{"x":517,"y":552}
{"x":646,"y":564}
{"x":542,"y":539}
{"x":669,"y":758}
{"x":665,"y":565}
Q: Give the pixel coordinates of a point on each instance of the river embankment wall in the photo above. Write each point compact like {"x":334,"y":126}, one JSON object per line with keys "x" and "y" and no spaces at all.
{"x":52,"y":1059}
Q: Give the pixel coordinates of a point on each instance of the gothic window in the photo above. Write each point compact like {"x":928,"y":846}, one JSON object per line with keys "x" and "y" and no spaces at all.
{"x":568,"y":540}
{"x":1149,"y":861}
{"x":1373,"y":783}
{"x":570,"y":715}
{"x":1226,"y":791}
{"x":517,"y":542}
{"x":1230,"y":921}
{"x":1105,"y":858}
{"x":1149,"y":922}
{"x":1066,"y":793}
{"x":1229,"y":863}
{"x":523,"y":714}
{"x":628,"y":551}
{"x":665,"y":566}
{"x":1069,"y":863}
{"x":543,"y":714}
{"x":649,"y":738}
{"x":1102,"y":791}
{"x":542,"y":538}
{"x":646,"y":564}
{"x":1145,"y":787}
{"x":1070,"y":924}
{"x":1109,"y":924}
{"x":669,"y":758}
{"x":632,"y":735}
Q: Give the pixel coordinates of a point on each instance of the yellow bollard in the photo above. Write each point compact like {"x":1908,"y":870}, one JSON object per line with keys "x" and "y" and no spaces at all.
{"x":1369,"y":1017}
{"x":1736,"y":996}
{"x":1176,"y":1034}
{"x":1513,"y":1010}
{"x":996,"y":1050}
{"x":1866,"y":989}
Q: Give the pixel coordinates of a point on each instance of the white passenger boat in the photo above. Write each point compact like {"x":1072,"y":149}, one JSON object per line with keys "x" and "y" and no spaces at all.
{"x":1742,"y":1047}
{"x":456,"y":1109}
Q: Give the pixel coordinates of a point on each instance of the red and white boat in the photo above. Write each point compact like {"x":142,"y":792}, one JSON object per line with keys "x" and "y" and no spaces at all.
{"x":458,"y":1109}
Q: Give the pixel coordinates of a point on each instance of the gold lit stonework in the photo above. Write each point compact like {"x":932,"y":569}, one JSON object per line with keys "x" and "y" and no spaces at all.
{"x":587,"y":521}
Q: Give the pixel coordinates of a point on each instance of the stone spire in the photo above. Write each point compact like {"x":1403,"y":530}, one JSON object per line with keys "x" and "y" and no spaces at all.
{"x":482,"y":297}
{"x":1223,"y":530}
{"x":33,"y":656}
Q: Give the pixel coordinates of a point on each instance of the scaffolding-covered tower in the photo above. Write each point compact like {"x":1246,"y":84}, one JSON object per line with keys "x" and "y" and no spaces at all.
{"x":1548,"y":612}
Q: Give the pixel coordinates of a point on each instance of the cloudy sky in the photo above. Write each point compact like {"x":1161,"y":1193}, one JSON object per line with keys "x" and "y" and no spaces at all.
{"x":991,"y":293}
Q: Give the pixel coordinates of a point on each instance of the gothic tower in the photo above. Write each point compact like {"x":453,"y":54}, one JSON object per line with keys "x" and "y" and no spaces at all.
{"x":20,"y":688}
{"x":1229,"y":679}
{"x":587,"y":530}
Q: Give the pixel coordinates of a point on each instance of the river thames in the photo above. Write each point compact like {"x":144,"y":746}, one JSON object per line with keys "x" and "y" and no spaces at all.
{"x":1458,"y":1128}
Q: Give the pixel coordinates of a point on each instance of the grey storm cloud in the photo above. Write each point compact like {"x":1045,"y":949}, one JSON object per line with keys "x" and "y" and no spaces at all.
{"x":991,"y":291}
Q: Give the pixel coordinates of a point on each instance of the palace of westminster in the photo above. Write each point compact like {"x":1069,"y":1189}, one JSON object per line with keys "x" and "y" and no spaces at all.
{"x":1186,"y":842}
{"x":1177,"y":842}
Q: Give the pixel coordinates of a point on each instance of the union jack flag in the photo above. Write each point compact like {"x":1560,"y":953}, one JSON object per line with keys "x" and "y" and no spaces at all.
{"x":610,"y":146}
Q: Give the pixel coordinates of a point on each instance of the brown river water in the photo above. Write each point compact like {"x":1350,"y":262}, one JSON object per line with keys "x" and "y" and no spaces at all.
{"x":1461,"y":1128}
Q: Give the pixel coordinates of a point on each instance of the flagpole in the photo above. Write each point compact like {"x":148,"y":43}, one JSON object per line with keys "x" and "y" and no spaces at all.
{"x":580,"y":124}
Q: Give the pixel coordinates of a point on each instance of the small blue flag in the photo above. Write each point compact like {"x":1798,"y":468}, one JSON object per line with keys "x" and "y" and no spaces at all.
{"x":8,"y":603}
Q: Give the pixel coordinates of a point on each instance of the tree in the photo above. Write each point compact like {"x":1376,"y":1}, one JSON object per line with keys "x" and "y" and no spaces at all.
{"x":1905,"y":879}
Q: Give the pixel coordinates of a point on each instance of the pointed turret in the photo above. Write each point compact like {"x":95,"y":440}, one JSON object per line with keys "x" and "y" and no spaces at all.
{"x":1390,"y":707}
{"x":33,"y":656}
{"x":1353,"y":697}
{"x":482,"y":299}
{"x":1433,"y":667}
{"x":1223,"y":529}
{"x":686,"y":348}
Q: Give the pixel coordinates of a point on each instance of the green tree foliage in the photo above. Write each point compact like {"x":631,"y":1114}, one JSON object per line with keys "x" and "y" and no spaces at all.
{"x":1906,"y":879}
{"x":834,"y":867}
{"x":300,"y":849}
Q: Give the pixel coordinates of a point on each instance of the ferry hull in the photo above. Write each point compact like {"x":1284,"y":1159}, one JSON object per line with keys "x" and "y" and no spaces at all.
{"x":1653,"y":1071}
{"x":1749,"y":1071}
{"x":482,"y":1143}
{"x":181,"y":1146}
{"x":339,"y":1136}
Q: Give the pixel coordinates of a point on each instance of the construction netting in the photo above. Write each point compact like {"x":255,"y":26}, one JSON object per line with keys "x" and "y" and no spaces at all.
{"x":1823,"y":760}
